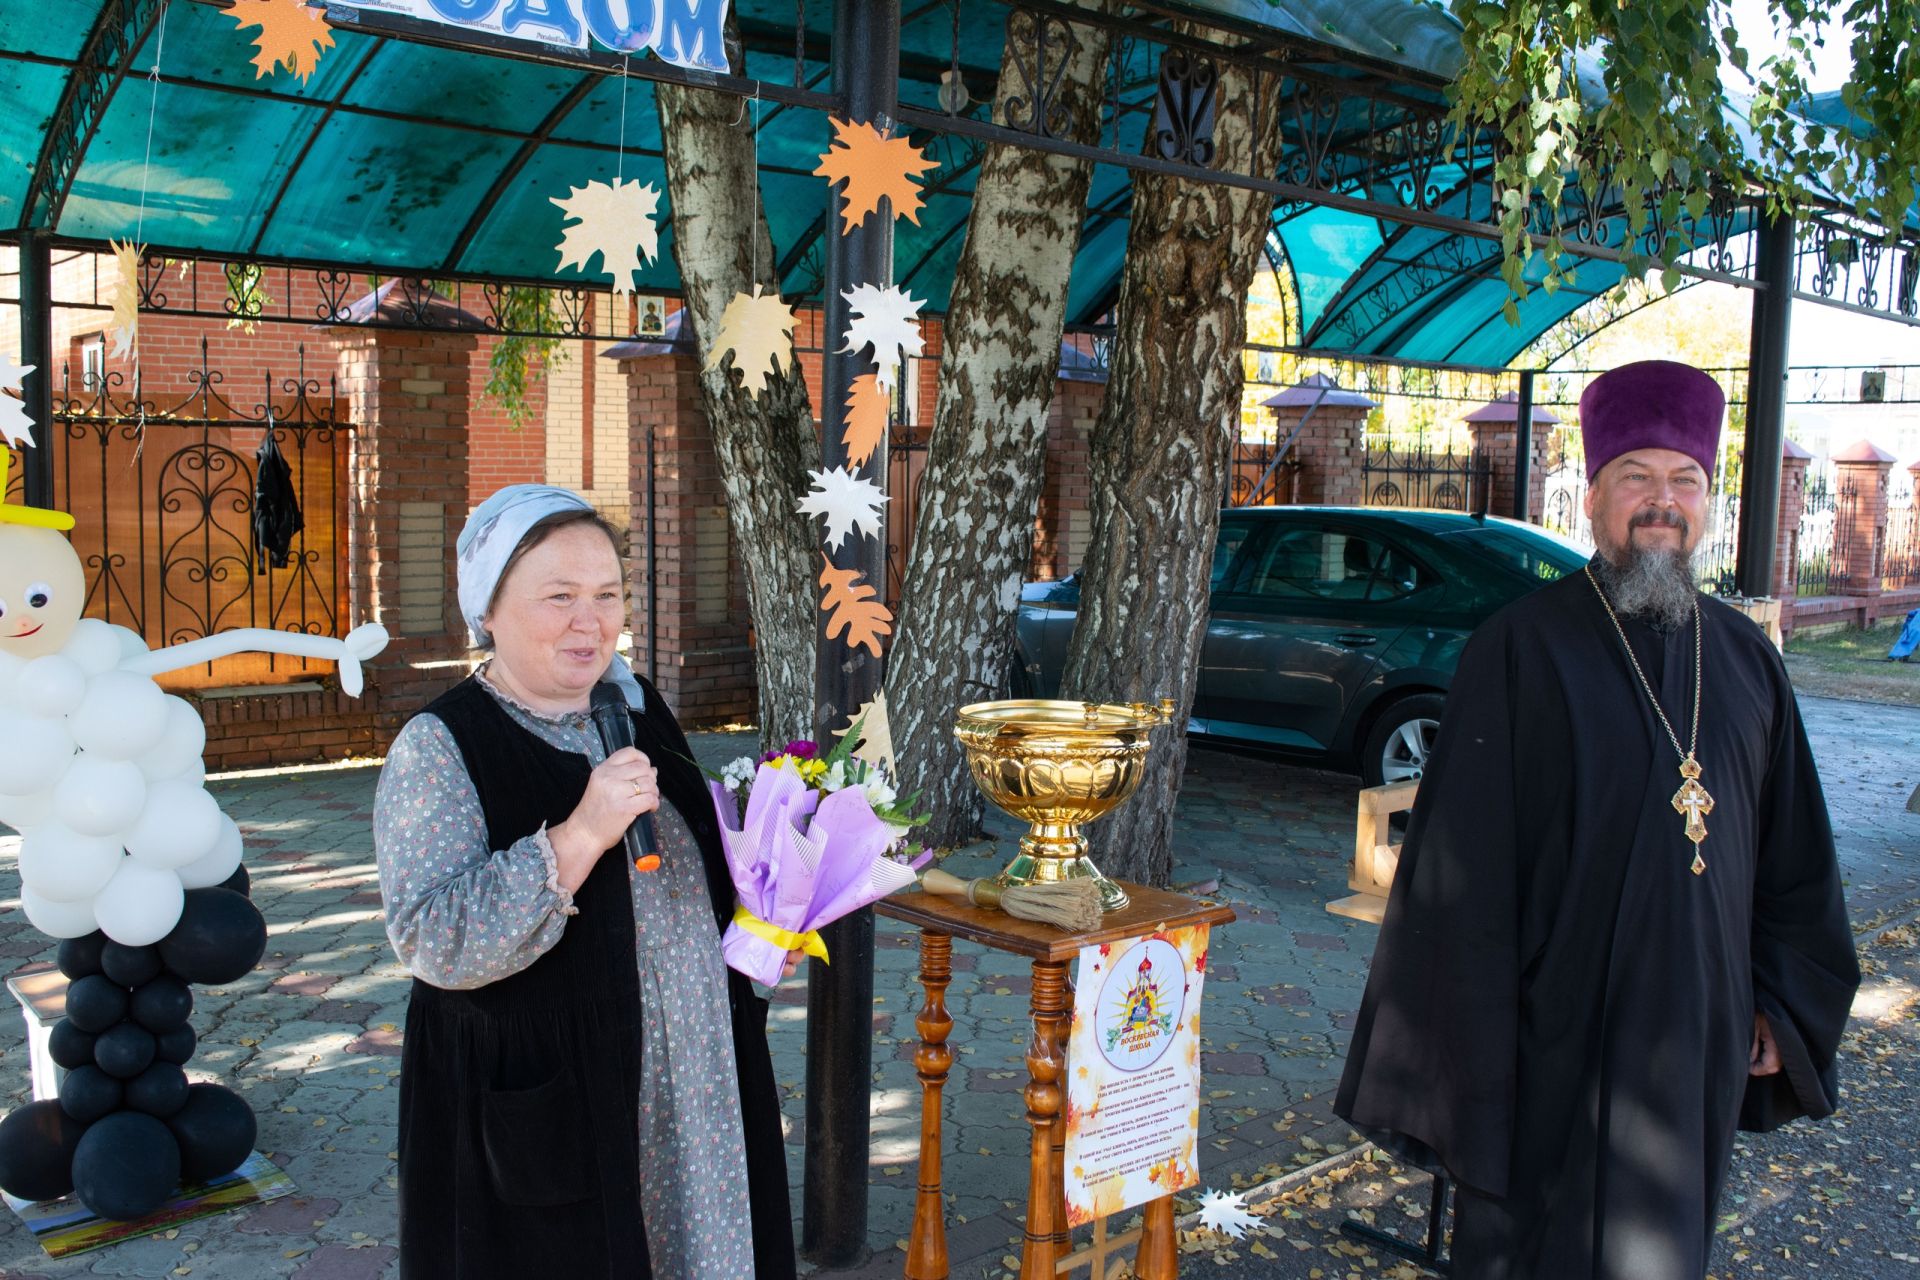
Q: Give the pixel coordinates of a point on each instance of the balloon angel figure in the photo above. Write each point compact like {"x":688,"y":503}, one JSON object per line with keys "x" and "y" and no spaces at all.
{"x":100,"y":771}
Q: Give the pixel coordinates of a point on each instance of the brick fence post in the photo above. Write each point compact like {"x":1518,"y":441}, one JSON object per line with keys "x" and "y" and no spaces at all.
{"x":1060,"y":523}
{"x":407,"y":394}
{"x":1496,"y":442}
{"x":1786,"y":550}
{"x":1865,"y":467}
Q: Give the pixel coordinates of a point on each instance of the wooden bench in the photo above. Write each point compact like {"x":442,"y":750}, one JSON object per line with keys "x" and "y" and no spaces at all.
{"x":1374,"y":859}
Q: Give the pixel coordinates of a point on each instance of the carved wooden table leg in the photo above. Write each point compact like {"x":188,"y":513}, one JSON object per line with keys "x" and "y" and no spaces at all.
{"x":1062,"y":1233}
{"x":1159,"y":1256}
{"x":1044,"y":1093}
{"x":927,"y":1246}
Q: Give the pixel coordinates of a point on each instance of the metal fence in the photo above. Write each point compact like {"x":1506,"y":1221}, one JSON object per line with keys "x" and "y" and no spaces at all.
{"x":1260,"y":476}
{"x":1422,"y":478}
{"x":164,"y":499}
{"x":1826,"y":525}
{"x":1901,"y":564}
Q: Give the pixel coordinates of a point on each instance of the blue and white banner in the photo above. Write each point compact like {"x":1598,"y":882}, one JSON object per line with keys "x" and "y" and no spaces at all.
{"x":685,"y":33}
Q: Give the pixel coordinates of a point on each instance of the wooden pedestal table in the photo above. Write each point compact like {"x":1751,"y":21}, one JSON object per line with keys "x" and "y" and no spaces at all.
{"x":940,"y":920}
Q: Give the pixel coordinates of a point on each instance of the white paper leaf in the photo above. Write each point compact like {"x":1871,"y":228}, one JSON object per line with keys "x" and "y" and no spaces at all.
{"x":614,"y":221}
{"x":758,"y":328}
{"x":15,"y":425}
{"x":875,"y":744}
{"x":846,"y":501}
{"x":126,"y":297}
{"x":1226,"y":1213}
{"x":887,"y":318}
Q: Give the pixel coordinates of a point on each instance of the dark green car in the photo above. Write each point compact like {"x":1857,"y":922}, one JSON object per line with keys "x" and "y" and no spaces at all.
{"x":1335,"y":630}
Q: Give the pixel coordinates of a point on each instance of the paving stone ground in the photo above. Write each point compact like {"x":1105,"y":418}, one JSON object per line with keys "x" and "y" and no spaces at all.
{"x":312,"y":1039}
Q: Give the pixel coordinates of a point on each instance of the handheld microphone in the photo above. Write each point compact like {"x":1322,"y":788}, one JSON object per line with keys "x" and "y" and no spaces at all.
{"x":611,"y":718}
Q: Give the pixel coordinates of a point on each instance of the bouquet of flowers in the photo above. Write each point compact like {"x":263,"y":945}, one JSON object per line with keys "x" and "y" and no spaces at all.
{"x":808,"y":839}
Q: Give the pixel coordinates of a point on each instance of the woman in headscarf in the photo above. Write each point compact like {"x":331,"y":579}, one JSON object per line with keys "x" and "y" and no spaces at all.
{"x":585,"y":1088}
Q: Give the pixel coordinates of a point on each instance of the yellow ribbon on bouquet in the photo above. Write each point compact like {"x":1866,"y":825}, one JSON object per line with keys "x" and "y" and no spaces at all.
{"x":785,"y":939}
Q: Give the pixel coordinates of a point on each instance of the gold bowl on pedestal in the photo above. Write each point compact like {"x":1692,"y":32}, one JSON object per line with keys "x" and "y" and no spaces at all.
{"x":1057,"y":765}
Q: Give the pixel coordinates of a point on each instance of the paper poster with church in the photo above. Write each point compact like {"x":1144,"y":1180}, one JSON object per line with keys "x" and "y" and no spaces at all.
{"x":1133,"y":1072}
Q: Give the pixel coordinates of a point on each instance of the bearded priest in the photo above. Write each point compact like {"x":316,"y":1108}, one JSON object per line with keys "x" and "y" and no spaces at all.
{"x":1616,"y":932}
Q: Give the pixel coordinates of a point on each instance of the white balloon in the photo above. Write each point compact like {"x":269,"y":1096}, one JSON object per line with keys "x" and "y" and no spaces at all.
{"x":61,"y":865}
{"x":94,"y":646}
{"x":218,"y":865}
{"x":196,"y":773}
{"x":180,"y":824}
{"x":58,"y":919}
{"x":121,"y":717}
{"x":140,"y":906}
{"x":51,"y":685}
{"x":34,"y":753}
{"x":22,"y":812}
{"x":100,"y":797}
{"x":9,"y":676}
{"x":181,"y":743}
{"x":132,"y":644}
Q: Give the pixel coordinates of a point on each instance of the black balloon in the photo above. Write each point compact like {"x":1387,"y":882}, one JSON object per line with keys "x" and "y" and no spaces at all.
{"x":80,"y":957}
{"x":69,"y":1046}
{"x":124,"y":1050}
{"x":220,"y":937}
{"x":129,"y":966}
{"x":162,"y":1004}
{"x":160,"y":1090}
{"x":126,"y":1166}
{"x":36,"y":1151}
{"x":239,"y":882}
{"x":96,"y":1002}
{"x":89,"y":1093}
{"x":175,"y":1045}
{"x":215,"y":1129}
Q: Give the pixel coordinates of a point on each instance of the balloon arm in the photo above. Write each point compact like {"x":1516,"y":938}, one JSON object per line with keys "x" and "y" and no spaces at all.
{"x":359,"y":644}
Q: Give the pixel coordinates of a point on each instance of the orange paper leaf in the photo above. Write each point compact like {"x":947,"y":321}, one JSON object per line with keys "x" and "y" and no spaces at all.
{"x":851,"y":607}
{"x":874,"y":167}
{"x":866,"y":424}
{"x":290,"y":34}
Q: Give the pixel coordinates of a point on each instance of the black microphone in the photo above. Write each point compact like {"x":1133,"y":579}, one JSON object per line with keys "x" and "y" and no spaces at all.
{"x":611,"y":718}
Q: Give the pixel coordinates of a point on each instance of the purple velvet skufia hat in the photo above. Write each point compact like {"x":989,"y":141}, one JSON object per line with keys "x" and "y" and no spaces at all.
{"x":1652,"y":404}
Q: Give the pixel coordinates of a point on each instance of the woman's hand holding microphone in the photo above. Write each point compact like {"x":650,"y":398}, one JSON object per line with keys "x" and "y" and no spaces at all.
{"x":620,"y":789}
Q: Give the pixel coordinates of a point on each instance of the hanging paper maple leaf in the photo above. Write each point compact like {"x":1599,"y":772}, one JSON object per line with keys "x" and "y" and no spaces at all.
{"x":1226,"y":1213}
{"x":846,"y":501}
{"x":886,"y":318}
{"x":758,"y":328}
{"x":15,"y":425}
{"x":616,"y":221}
{"x":126,"y":298}
{"x":851,"y":607}
{"x":866,"y":423}
{"x":875,"y":743}
{"x":290,"y":34}
{"x":874,"y":167}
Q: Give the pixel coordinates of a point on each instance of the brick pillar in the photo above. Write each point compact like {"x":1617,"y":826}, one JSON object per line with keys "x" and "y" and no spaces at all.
{"x":1060,"y":525}
{"x":1332,"y":450}
{"x":1786,"y":550}
{"x":1497,"y":444}
{"x":693,"y":635}
{"x":407,"y":394}
{"x":1865,"y":467}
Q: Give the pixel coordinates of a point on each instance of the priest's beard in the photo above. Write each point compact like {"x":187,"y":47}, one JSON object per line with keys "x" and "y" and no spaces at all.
{"x":1655,"y":584}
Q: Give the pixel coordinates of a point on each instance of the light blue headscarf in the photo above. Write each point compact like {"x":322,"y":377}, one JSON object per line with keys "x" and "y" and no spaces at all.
{"x":492,"y":533}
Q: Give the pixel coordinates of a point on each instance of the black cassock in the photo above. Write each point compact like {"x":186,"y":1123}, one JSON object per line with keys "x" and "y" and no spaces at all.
{"x":1560,"y":1012}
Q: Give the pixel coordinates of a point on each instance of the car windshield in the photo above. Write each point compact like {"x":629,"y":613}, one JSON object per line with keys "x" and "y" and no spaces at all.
{"x":1524,"y":551}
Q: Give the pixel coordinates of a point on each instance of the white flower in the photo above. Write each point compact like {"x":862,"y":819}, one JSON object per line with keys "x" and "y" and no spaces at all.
{"x":835,"y":778}
{"x":738,"y":774}
{"x":880,"y":793}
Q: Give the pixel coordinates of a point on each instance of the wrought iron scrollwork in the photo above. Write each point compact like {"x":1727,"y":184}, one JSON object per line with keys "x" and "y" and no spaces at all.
{"x":1039,"y":46}
{"x":1316,"y":121}
{"x":1183,"y":112}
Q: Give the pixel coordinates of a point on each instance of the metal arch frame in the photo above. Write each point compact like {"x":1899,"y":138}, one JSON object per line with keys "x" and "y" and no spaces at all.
{"x":313,"y":136}
{"x":120,"y":30}
{"x":555,"y":117}
{"x":1631,"y":309}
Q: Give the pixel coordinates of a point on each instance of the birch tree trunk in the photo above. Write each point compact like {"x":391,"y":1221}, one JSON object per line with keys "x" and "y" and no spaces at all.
{"x":973,"y":536}
{"x":1160,"y":450}
{"x":764,"y":442}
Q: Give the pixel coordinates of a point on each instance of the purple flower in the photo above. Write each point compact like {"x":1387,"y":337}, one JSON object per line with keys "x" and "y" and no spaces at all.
{"x":801,"y":749}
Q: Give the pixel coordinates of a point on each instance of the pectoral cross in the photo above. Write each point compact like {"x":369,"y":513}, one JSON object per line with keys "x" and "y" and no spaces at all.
{"x":1693,"y":802}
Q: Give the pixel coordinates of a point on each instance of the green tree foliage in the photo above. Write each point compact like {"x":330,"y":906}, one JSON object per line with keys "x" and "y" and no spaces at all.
{"x":1660,"y":114}
{"x":523,"y":311}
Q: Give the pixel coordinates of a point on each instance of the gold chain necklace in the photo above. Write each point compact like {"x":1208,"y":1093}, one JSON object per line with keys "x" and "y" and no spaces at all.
{"x":1691,"y":801}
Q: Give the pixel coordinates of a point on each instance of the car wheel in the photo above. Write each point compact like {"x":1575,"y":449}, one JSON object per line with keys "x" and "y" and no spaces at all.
{"x":1401,"y":740}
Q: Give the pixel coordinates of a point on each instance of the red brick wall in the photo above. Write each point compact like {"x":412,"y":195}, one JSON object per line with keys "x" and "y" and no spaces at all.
{"x":499,"y":453}
{"x":1060,"y":525}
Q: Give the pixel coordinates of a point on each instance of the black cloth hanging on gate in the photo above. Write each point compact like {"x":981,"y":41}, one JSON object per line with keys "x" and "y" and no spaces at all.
{"x":276,"y":508}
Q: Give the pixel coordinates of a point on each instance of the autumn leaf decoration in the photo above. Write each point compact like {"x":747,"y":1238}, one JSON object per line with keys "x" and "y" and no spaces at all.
{"x":874,"y":167}
{"x":126,"y":298}
{"x":290,"y":34}
{"x":614,"y":220}
{"x":851,"y":607}
{"x":758,"y":328}
{"x":866,"y":424}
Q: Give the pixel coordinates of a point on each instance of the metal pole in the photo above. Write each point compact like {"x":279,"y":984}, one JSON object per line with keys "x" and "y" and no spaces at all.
{"x":36,"y":349}
{"x":866,"y":74}
{"x":1523,"y":449}
{"x":1766,"y":409}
